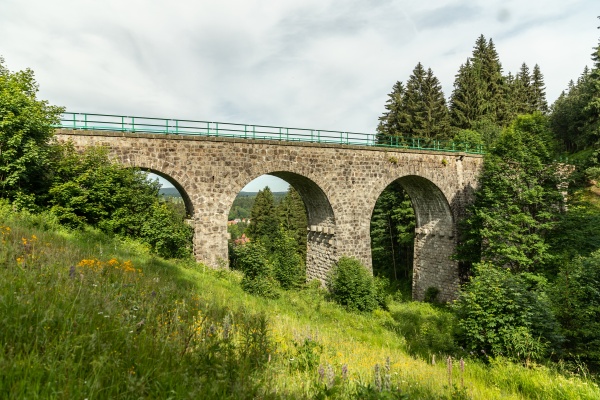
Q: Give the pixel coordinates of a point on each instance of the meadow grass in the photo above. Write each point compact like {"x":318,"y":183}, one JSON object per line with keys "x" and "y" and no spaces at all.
{"x":84,"y":315}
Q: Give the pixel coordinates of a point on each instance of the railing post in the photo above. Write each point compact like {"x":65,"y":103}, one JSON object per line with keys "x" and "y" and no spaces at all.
{"x":122,"y":123}
{"x":74,"y":121}
{"x":85,"y":121}
{"x":177,"y":127}
{"x":132,"y":124}
{"x":217,"y":129}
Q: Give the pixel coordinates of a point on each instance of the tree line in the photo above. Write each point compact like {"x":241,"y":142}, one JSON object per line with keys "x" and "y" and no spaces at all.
{"x":529,"y":256}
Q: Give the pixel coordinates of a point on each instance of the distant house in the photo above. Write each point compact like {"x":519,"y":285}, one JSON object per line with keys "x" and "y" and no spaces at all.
{"x":242,"y":240}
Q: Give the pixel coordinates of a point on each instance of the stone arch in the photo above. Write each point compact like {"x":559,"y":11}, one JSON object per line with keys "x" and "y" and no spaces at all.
{"x":165,"y":170}
{"x":189,"y":206}
{"x":434,"y":239}
{"x":321,"y":245}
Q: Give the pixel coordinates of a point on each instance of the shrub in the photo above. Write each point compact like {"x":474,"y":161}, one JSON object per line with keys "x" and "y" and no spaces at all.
{"x":503,"y":313}
{"x":351,"y":285}
{"x":251,"y":259}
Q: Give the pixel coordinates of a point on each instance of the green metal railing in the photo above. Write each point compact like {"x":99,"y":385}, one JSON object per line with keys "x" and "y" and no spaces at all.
{"x":107,"y":122}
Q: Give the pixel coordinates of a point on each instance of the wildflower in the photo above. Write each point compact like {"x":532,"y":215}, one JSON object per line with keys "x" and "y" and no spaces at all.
{"x":321,"y":373}
{"x":72,"y":271}
{"x":377,"y":378}
{"x":344,"y":371}
{"x":387,"y":377}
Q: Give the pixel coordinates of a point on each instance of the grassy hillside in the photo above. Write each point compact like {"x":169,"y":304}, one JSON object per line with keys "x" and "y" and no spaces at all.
{"x":87,"y":316}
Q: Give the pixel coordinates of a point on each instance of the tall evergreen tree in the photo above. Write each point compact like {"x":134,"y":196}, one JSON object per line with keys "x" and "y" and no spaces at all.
{"x":264,"y":221}
{"x":393,"y":122}
{"x":539,"y":91}
{"x":419,"y":110}
{"x":479,"y":88}
{"x":292,"y":215}
{"x":524,"y":95}
{"x":466,"y":101}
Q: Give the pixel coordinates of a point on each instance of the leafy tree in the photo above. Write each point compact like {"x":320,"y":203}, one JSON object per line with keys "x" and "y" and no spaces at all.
{"x":517,"y":201}
{"x":293,"y":219}
{"x":264,"y":221}
{"x":502,"y":313}
{"x":165,"y":232}
{"x":90,"y":189}
{"x":26,"y":128}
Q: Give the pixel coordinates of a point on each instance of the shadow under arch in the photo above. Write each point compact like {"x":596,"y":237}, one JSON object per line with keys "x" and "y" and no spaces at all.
{"x":321,"y":244}
{"x":189,"y":207}
{"x":434,"y":241}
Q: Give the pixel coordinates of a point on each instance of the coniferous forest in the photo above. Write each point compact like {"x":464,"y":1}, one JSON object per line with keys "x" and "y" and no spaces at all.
{"x":100,"y":296}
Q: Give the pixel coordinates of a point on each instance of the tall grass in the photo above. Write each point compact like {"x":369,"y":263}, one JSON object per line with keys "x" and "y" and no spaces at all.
{"x":84,"y":315}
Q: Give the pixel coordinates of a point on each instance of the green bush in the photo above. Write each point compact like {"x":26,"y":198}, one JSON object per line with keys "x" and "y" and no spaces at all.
{"x":251,"y":259}
{"x":501,"y":313}
{"x":351,"y":285}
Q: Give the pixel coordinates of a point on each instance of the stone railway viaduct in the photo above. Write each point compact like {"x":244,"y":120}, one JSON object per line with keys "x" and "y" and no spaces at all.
{"x":339,"y":185}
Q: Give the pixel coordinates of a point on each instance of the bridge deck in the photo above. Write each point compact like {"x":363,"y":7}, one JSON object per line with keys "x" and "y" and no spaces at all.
{"x":120,"y":123}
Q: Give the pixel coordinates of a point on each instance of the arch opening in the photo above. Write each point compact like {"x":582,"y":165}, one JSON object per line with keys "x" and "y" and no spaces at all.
{"x":303,"y":210}
{"x":431,"y":274}
{"x":177,"y":192}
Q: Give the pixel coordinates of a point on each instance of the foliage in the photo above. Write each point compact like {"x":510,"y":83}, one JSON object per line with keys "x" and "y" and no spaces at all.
{"x":352,"y":286}
{"x":180,"y":330}
{"x":576,"y":298}
{"x":25,"y":133}
{"x":517,"y":202}
{"x":90,"y":189}
{"x":419,"y":110}
{"x":251,"y":259}
{"x":501,"y":313}
{"x":288,"y":266}
{"x":116,"y":327}
{"x":166,"y":232}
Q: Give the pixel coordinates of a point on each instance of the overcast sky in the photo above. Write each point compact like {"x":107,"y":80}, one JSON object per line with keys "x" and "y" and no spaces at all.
{"x":325,"y":64}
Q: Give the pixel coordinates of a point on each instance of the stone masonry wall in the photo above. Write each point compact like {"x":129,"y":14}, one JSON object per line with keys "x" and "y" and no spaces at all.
{"x":339,"y":185}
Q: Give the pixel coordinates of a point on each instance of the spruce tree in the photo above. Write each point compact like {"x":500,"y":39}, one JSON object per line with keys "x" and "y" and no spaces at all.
{"x":479,"y":89}
{"x":539,"y":91}
{"x":264,"y":222}
{"x":392,"y":122}
{"x":466,"y":101}
{"x":524,"y":95}
{"x":293,"y":219}
{"x":426,"y":112}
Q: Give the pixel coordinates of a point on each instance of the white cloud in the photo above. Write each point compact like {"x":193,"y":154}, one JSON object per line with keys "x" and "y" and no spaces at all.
{"x":325,"y":64}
